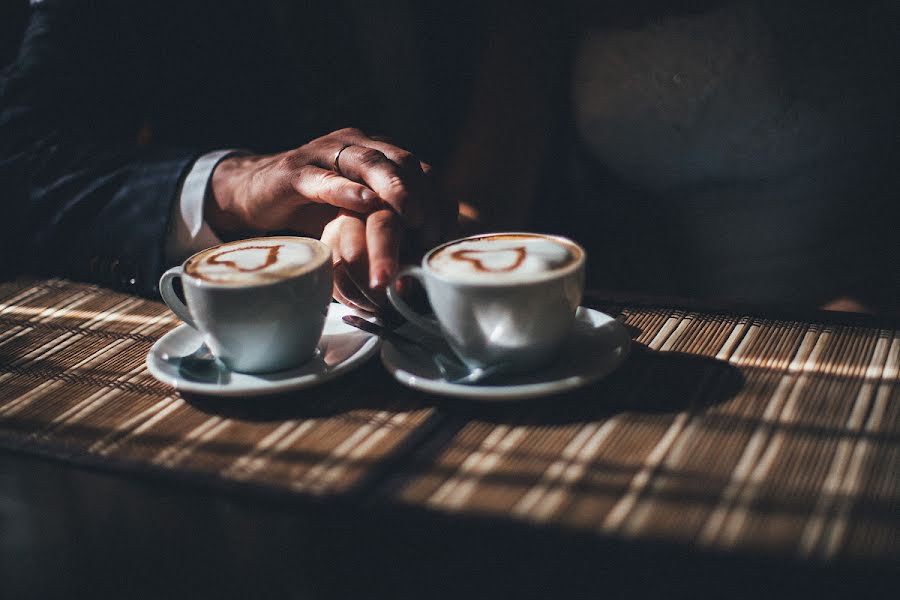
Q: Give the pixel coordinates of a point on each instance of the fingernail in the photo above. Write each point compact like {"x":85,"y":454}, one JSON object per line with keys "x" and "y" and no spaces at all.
{"x":368,"y":195}
{"x":380,"y":279}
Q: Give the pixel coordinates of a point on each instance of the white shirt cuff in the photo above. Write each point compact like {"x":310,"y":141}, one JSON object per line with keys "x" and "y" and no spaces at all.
{"x":189,"y":232}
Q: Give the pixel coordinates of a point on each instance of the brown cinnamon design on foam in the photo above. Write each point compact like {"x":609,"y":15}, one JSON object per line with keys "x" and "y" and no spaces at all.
{"x":271,"y":257}
{"x":480,"y":266}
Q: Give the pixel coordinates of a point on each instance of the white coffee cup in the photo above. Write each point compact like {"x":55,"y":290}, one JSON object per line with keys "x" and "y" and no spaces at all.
{"x":500,"y":299}
{"x":260,"y":304}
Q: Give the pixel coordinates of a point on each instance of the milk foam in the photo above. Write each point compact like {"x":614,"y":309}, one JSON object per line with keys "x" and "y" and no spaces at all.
{"x":502,"y":258}
{"x":255,"y":261}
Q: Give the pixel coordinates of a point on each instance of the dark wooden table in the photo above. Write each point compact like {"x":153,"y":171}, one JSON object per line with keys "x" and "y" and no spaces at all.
{"x":736,"y":453}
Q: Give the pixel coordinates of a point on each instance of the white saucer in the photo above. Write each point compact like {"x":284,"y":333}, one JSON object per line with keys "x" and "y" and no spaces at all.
{"x":598,"y":345}
{"x":341,"y":349}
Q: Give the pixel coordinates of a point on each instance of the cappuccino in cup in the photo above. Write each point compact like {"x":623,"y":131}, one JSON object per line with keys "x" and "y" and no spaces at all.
{"x":260,"y":304}
{"x":500,"y":299}
{"x":256,"y":261}
{"x":503,"y":257}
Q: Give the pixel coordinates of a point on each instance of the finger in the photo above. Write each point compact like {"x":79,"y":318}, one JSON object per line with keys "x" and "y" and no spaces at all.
{"x":380,"y":138}
{"x":354,"y":259}
{"x":346,"y":236}
{"x":402,"y":158}
{"x":406,"y":160}
{"x":412,"y":170}
{"x":383,"y":237}
{"x":343,"y":288}
{"x":362,"y":293}
{"x":386,"y":178}
{"x":346,"y":302}
{"x":323,"y":186}
{"x":416,"y":175}
{"x":350,"y":242}
{"x":348,"y":292}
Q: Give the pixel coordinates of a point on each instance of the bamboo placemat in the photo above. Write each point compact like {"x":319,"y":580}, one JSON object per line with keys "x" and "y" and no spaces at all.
{"x":722,"y":431}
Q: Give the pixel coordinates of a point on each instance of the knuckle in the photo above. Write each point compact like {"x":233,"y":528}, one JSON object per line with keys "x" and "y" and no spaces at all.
{"x":327,"y":178}
{"x":398,"y":188}
{"x":355,"y":256}
{"x":338,"y":224}
{"x":383,"y":220}
{"x":331,"y":234}
{"x":348,"y":132}
{"x":302,"y":178}
{"x":288,"y":162}
{"x":304,"y":172}
{"x":301,"y":154}
{"x":370,"y":157}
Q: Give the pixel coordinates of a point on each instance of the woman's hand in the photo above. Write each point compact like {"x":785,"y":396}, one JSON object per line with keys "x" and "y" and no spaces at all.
{"x":365,"y":254}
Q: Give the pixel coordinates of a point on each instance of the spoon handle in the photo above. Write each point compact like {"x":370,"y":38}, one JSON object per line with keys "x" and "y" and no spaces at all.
{"x":383,"y":332}
{"x":450,"y":367}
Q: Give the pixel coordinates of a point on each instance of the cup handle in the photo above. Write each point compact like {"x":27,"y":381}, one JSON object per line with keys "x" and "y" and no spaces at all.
{"x":422,"y":322}
{"x":167,"y":291}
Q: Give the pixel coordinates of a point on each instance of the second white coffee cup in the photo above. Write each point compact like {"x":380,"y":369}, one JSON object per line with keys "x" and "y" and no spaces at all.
{"x":500,"y":299}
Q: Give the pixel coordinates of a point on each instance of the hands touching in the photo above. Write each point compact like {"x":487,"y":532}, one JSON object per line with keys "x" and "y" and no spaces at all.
{"x":359,"y":194}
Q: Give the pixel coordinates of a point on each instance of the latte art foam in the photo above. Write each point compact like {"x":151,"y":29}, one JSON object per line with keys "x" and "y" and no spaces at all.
{"x":256,"y":261}
{"x":503,"y":257}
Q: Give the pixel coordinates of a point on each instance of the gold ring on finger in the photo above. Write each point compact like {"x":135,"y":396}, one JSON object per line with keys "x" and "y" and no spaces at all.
{"x":336,"y":166}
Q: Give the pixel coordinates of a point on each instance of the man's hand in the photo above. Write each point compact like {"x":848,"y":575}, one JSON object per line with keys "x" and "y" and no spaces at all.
{"x":360,"y":212}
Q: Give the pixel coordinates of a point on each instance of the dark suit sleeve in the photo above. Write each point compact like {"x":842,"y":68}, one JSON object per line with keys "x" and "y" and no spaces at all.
{"x":82,"y":197}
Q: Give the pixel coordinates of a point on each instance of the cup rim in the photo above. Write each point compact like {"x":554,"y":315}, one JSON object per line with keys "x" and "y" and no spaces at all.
{"x":543,"y":278}
{"x":196,"y":281}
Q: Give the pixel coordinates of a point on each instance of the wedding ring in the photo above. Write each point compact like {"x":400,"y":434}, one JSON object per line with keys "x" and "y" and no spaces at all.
{"x":336,"y":167}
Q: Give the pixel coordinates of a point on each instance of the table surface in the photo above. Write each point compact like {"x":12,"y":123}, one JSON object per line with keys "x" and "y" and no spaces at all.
{"x":729,"y":439}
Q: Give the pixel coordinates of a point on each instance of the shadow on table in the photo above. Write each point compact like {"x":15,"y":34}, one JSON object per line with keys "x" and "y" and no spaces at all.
{"x":649,"y":382}
{"x":368,"y":388}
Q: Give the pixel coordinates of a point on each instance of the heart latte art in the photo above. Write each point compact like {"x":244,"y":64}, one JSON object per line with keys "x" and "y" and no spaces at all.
{"x":503,"y":257}
{"x":256,"y":261}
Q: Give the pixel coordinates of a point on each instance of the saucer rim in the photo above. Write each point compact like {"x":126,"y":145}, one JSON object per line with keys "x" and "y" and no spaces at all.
{"x":366,"y":351}
{"x":504,"y":393}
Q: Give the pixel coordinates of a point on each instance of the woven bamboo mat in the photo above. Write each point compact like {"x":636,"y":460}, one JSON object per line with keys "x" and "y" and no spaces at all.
{"x":730,"y":432}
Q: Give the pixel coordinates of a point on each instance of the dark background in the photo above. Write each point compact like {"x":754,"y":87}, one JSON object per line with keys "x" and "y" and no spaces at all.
{"x":13,"y":16}
{"x":639,"y":239}
{"x":70,"y":532}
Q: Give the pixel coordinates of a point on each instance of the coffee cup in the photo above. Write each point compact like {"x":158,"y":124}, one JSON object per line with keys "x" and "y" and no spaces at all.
{"x":505,"y":299}
{"x":260,"y":304}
